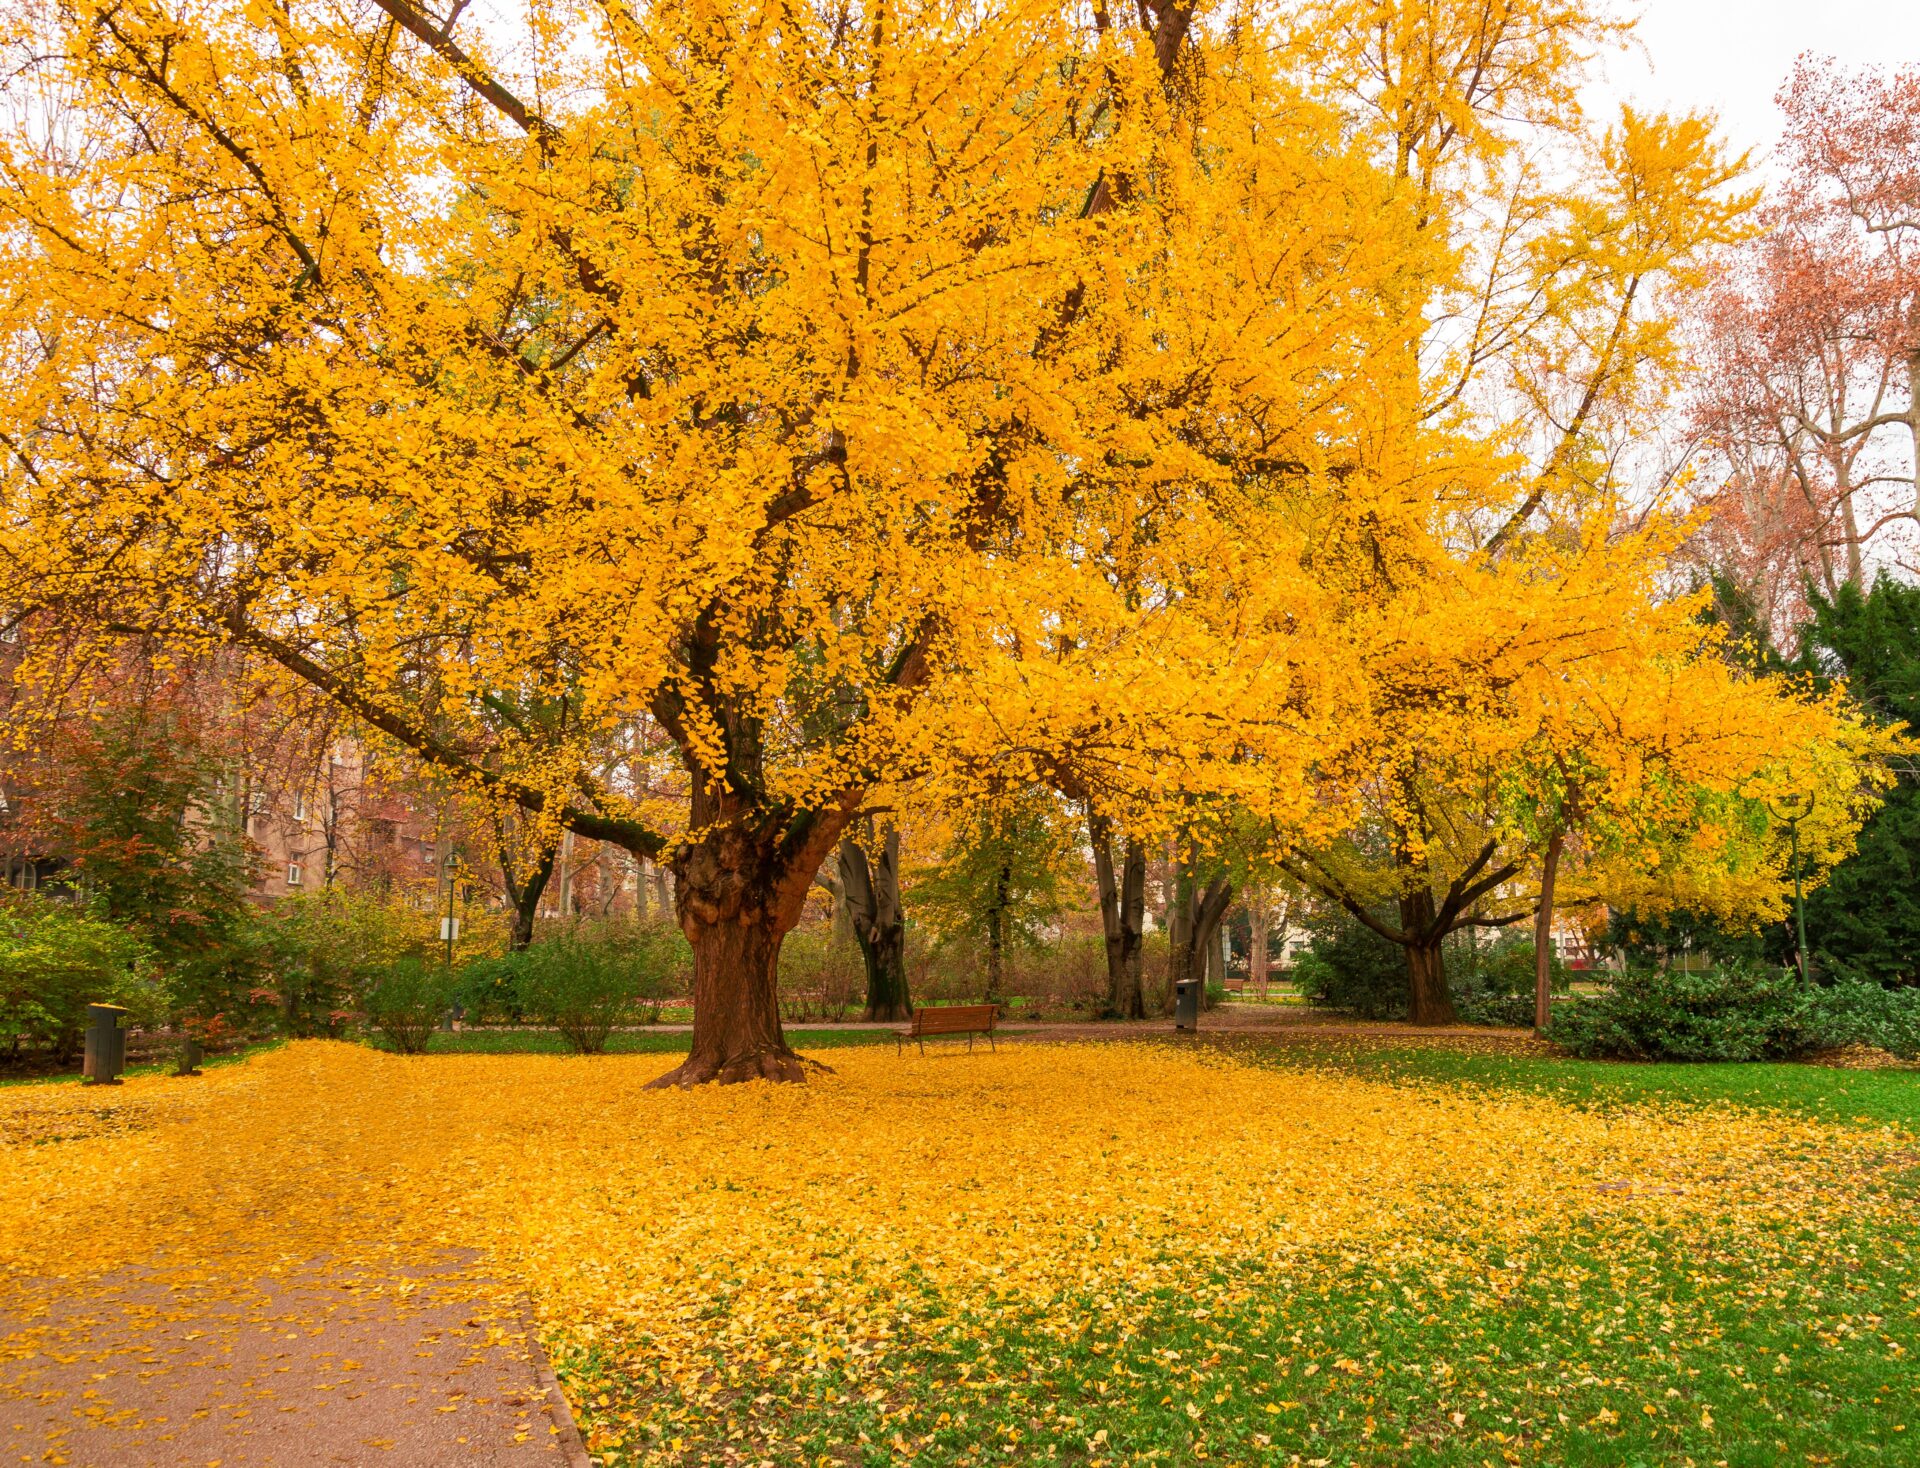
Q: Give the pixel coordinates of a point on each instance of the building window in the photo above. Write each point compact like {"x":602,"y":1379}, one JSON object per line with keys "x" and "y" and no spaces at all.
{"x":300,"y":808}
{"x":293,"y":874}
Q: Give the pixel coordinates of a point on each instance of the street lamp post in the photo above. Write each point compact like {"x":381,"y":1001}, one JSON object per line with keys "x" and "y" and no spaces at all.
{"x":447,"y":928}
{"x":1793,"y":809}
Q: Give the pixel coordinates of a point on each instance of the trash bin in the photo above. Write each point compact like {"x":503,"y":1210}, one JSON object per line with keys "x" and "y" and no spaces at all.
{"x":106,"y":1044}
{"x":1186,"y":1004}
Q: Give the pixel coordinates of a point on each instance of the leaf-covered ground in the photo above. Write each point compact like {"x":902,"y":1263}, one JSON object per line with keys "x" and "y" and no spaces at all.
{"x":1075,"y":1253}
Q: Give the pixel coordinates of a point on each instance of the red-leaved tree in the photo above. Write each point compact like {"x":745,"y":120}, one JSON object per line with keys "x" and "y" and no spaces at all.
{"x":1811,"y":344}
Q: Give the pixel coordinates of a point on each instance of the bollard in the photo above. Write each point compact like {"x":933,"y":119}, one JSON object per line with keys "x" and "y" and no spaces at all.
{"x":106,"y":1044}
{"x":189,"y":1057}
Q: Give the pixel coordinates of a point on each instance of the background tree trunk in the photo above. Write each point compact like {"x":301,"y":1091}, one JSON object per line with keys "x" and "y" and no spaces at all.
{"x":567,"y":908}
{"x":1259,"y":918}
{"x":1123,"y":908}
{"x":870,"y":891}
{"x":524,"y":900}
{"x":1193,"y":925}
{"x":1543,"y":936}
{"x":997,"y":937}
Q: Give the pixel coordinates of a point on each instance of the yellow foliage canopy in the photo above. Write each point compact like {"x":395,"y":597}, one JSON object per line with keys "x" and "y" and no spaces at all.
{"x":933,"y":394}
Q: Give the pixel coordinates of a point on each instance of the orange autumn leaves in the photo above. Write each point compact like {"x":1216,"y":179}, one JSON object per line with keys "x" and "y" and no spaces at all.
{"x":847,"y":1224}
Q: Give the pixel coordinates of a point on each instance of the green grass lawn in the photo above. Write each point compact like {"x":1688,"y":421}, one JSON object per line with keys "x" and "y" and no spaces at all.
{"x":1618,"y":1341}
{"x":1877,"y":1097}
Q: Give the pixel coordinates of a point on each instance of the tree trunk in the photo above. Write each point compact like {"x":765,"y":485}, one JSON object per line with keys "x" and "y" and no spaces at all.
{"x":1543,"y":936}
{"x":870,"y":893}
{"x":640,"y":890}
{"x":997,"y":936}
{"x":738,"y":891}
{"x":1913,"y":417}
{"x":566,"y":875}
{"x":1428,"y":999}
{"x":736,"y":1007}
{"x":1193,"y":926}
{"x":1430,"y":1003}
{"x":1179,"y":936}
{"x":605,"y":865}
{"x":525,"y":900}
{"x":1259,"y":916}
{"x":1123,"y":902}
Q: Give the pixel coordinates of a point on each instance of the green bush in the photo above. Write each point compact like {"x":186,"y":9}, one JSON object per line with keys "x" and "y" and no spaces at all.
{"x":324,"y":948}
{"x":588,"y":980}
{"x":1855,"y":1010}
{"x":821,"y":974}
{"x":405,"y":998}
{"x":1493,"y":985}
{"x":1734,"y":1012}
{"x":487,"y":990}
{"x":56,"y":958}
{"x":1352,"y":968}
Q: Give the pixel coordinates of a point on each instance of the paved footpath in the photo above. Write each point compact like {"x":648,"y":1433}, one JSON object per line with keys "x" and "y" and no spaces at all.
{"x":416,"y":1368}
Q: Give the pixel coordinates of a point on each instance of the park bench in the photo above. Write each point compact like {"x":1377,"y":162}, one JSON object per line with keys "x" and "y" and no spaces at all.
{"x":949,"y":1019}
{"x":1234,"y":986}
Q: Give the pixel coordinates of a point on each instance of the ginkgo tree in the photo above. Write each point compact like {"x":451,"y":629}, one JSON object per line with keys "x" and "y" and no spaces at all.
{"x":762,"y":373}
{"x":1492,"y":548}
{"x":938,"y":396}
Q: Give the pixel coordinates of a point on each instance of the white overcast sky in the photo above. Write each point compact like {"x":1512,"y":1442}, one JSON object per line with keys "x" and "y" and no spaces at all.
{"x":1732,"y":55}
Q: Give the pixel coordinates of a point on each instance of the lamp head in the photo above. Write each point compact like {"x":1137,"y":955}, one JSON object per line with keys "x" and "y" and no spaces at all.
{"x":1793,"y":805}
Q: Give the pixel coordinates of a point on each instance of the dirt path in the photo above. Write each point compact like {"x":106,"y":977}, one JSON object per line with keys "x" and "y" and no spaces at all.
{"x":306,"y":1368}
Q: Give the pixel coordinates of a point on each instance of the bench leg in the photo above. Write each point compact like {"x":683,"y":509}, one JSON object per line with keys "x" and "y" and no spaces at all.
{"x":991,"y":1046}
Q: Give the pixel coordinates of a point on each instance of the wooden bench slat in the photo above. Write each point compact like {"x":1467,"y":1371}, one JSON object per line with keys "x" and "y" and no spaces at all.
{"x":950,"y":1019}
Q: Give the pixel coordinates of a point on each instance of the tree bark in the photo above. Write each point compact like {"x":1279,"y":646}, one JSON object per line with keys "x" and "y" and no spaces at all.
{"x":1430,"y":1003}
{"x":1193,"y":925}
{"x":567,"y":908}
{"x":1259,"y":916}
{"x":870,"y":891}
{"x":1123,"y":907}
{"x":1428,"y":999}
{"x":997,"y":936}
{"x":525,"y":900}
{"x":1543,"y":936}
{"x":738,"y":891}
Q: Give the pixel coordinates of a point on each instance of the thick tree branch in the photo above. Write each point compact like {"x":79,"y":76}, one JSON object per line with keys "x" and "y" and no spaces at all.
{"x":629,"y":835}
